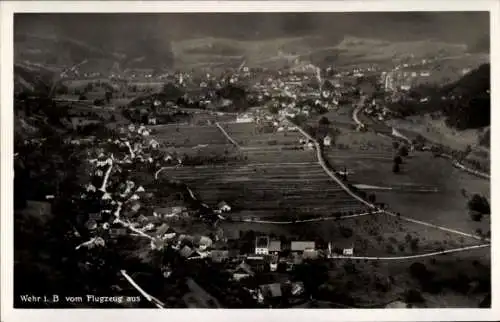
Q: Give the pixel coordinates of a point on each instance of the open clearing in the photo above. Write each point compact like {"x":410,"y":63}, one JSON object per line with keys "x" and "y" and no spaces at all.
{"x":387,"y":280}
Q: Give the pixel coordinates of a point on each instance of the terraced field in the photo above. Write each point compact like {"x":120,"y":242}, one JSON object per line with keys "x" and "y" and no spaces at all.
{"x":267,"y":181}
{"x":262,"y":190}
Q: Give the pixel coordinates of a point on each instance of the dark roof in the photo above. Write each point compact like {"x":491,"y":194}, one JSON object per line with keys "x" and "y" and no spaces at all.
{"x":186,"y":251}
{"x":243,"y":268}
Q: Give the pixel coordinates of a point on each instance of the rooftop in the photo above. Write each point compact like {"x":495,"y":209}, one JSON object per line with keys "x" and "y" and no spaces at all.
{"x":302,"y":245}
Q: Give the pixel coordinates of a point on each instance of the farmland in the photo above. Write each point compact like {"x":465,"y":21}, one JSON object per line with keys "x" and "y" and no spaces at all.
{"x":266,"y":181}
{"x":263,"y":190}
{"x":426,"y":188}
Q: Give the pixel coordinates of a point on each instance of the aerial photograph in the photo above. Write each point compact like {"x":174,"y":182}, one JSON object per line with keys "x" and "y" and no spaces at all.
{"x":252,"y":160}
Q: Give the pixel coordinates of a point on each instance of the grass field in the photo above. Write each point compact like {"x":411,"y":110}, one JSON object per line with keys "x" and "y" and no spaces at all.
{"x":255,"y":135}
{"x":388,"y":280}
{"x":421,"y":171}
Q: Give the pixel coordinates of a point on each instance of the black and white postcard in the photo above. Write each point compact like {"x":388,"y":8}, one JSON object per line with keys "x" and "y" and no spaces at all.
{"x":221,"y":155}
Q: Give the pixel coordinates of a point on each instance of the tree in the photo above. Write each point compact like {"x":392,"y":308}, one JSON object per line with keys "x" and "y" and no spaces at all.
{"x":413,"y":297}
{"x":108,"y":96}
{"x":395,"y":168}
{"x":403,"y":150}
{"x":479,"y":203}
{"x":324,"y":121}
{"x":273,"y":109}
{"x":475,"y":215}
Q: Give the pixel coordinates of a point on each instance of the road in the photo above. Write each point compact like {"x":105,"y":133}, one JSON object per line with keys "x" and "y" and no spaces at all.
{"x":310,"y":220}
{"x":448,"y":251}
{"x":228,"y":136}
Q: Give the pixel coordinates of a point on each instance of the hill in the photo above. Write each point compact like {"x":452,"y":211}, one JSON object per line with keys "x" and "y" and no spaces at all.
{"x":471,"y":105}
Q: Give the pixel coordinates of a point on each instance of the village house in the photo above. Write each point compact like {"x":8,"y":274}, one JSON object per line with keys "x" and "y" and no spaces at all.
{"x":242,"y":271}
{"x":189,"y":253}
{"x":271,"y":291}
{"x":273,"y":264}
{"x":154,"y":144}
{"x":341,"y":247}
{"x":219,"y":256}
{"x":274,"y":247}
{"x":310,"y":254}
{"x":327,"y":140}
{"x":223,"y":207}
{"x":262,"y":245}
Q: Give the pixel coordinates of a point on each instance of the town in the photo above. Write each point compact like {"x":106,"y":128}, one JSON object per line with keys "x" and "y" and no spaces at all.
{"x":300,"y":186}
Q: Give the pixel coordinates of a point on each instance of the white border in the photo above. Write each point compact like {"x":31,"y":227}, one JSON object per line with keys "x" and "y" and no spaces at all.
{"x":7,"y":8}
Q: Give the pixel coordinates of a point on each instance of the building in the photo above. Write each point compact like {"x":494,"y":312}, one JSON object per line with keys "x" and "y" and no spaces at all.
{"x":342,"y":248}
{"x":154,"y":144}
{"x":223,"y":206}
{"x":271,"y":290}
{"x":262,"y":245}
{"x":310,"y":254}
{"x":301,"y":246}
{"x":273,"y":265}
{"x":327,"y":140}
{"x":219,"y":256}
{"x":275,"y":247}
{"x":242,"y":271}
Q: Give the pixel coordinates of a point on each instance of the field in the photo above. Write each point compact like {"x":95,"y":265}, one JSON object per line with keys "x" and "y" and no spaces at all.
{"x":426,"y":188}
{"x":252,"y":135}
{"x":189,"y":136}
{"x":267,"y":181}
{"x":385,"y":236}
{"x":273,"y":183}
{"x":266,"y":190}
{"x":456,"y":280}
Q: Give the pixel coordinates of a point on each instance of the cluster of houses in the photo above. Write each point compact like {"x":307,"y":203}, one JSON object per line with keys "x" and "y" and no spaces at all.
{"x":377,"y":111}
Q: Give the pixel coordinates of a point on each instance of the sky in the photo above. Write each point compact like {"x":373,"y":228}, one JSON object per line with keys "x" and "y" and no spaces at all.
{"x":458,"y":27}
